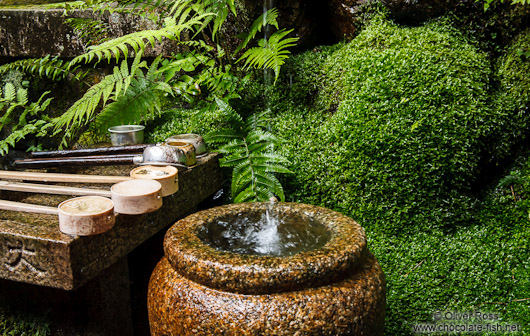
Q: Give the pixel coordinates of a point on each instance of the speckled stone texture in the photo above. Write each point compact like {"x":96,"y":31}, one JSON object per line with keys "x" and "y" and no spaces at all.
{"x":338,"y":289}
{"x":37,"y":31}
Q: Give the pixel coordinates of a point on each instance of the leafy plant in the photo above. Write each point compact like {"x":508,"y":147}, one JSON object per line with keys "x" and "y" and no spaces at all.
{"x":193,"y":77}
{"x":49,"y":67}
{"x":15,"y":103}
{"x":271,"y":53}
{"x":249,"y":149}
{"x":488,"y":3}
{"x":83,"y":110}
{"x":199,"y":76}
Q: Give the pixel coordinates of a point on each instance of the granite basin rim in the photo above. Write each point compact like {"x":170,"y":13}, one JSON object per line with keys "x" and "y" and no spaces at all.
{"x":252,"y":274}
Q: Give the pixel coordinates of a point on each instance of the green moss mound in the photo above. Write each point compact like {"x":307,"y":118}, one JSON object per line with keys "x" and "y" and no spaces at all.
{"x":514,"y":70}
{"x":391,"y":124}
{"x":395,"y":129}
{"x":180,"y":121}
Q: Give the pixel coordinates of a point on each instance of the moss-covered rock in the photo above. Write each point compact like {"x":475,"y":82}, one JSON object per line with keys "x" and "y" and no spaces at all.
{"x":514,"y":70}
{"x":390,"y":125}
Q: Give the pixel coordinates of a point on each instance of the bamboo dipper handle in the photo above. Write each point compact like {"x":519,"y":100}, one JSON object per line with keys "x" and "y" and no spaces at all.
{"x":24,"y":207}
{"x":91,"y":151}
{"x":56,"y":177}
{"x":74,"y":161}
{"x":52,"y":189}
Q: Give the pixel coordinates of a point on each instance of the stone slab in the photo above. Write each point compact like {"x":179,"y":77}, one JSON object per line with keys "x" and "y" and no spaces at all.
{"x":33,"y":250}
{"x":37,"y":32}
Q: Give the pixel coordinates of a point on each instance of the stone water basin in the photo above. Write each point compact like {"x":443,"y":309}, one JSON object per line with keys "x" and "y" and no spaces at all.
{"x":320,"y":279}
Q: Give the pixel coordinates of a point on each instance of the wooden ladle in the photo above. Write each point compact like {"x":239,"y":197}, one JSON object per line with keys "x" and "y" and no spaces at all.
{"x":166,"y":175}
{"x":81,"y":216}
{"x":131,"y":197}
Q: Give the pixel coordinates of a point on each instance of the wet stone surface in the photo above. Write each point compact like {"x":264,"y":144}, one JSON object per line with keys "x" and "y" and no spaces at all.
{"x":33,"y":250}
{"x":337,"y":289}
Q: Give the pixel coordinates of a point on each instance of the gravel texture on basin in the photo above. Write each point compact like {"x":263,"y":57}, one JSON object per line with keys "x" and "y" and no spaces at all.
{"x":250,"y":274}
{"x":338,"y":289}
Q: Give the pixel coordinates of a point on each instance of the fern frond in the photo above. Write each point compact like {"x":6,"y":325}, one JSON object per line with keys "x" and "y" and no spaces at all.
{"x":236,"y":145}
{"x":39,"y":127}
{"x":233,"y":162}
{"x":139,"y":104}
{"x":234,"y":118}
{"x":246,"y":195}
{"x":182,"y":62}
{"x":270,"y":54}
{"x":138,"y":40}
{"x":82,"y":111}
{"x":222,"y":136}
{"x":89,"y":31}
{"x":241,"y":178}
{"x":53,"y":68}
{"x":269,"y":182}
{"x":220,"y":81}
{"x":247,"y":148}
{"x":10,"y":102}
{"x":269,"y":157}
{"x":33,"y":109}
{"x":10,"y":92}
{"x":268,"y":18}
{"x":198,"y":44}
{"x":22,"y":96}
{"x":257,"y":120}
{"x":258,"y":135}
{"x":274,"y":168}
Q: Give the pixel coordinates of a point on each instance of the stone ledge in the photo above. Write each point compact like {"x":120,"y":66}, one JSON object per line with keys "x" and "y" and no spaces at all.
{"x":36,"y":32}
{"x":33,"y":250}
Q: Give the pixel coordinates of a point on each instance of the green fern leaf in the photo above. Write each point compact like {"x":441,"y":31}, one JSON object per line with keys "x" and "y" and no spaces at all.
{"x":137,"y":40}
{"x":40,"y":126}
{"x":257,"y":120}
{"x":267,"y":18}
{"x":270,"y":54}
{"x":270,"y":182}
{"x":263,"y":195}
{"x":236,"y":145}
{"x":274,"y":168}
{"x":220,"y":18}
{"x":259,"y":135}
{"x":269,"y":157}
{"x":139,"y":104}
{"x":246,"y":195}
{"x":233,"y":162}
{"x":53,"y":68}
{"x":82,"y":111}
{"x":241,"y":178}
{"x":222,"y":136}
{"x":10,"y":92}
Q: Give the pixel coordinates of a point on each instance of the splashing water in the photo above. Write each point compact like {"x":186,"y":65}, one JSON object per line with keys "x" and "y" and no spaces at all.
{"x":267,"y":238}
{"x":266,"y":233}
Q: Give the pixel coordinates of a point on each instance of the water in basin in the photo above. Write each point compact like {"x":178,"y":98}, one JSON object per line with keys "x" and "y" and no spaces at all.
{"x":266,"y":234}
